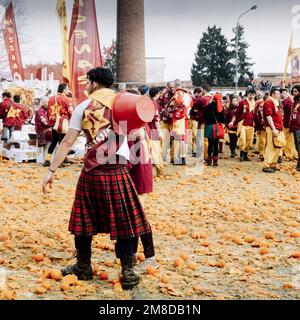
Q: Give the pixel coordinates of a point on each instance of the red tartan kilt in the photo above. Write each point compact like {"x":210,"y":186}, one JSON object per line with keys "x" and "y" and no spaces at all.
{"x":106,"y":201}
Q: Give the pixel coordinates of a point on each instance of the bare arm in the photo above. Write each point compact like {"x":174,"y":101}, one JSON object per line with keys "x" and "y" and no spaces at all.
{"x":271,"y":124}
{"x":64,"y":148}
{"x":232,"y":122}
{"x":158,"y":129}
{"x":62,"y":152}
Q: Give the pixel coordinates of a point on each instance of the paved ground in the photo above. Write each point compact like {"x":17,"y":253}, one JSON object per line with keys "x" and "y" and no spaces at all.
{"x":236,"y":227}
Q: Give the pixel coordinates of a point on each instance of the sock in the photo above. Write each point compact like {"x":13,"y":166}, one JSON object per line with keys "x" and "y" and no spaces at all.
{"x":150,"y":259}
{"x":48,"y":157}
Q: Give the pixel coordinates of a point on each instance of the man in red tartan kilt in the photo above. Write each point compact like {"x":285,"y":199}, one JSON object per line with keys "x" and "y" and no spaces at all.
{"x":106,"y":200}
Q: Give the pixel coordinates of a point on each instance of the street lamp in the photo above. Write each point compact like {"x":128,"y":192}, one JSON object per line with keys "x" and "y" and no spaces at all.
{"x":236,"y":46}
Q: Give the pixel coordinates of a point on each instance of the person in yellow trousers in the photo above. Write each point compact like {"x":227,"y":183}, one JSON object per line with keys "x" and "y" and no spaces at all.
{"x":201,"y":104}
{"x":260,"y":127}
{"x":166,"y":116}
{"x":244,"y":117}
{"x":289,"y":151}
{"x":156,"y":135}
{"x":274,"y":127}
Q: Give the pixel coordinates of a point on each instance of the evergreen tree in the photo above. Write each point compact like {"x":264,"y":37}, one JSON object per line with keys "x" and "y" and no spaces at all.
{"x":211,"y":60}
{"x":244,"y":62}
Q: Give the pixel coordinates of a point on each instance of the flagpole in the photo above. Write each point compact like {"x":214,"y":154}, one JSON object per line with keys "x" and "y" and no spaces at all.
{"x":62,"y":15}
{"x":287,"y":62}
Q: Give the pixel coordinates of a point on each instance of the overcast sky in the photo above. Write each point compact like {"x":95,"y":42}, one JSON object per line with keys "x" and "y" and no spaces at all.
{"x":174,"y":28}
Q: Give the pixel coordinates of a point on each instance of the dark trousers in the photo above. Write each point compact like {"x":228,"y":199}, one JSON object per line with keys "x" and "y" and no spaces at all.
{"x":7,"y":132}
{"x":147,"y":241}
{"x":125,"y":247}
{"x":297,"y":140}
{"x":233,"y":142}
{"x":128,"y":247}
{"x":213,"y":148}
{"x":83,"y":244}
{"x":56,"y":139}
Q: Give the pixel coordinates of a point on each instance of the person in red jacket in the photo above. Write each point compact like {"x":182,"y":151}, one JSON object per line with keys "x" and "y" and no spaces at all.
{"x":166,"y":117}
{"x":22,"y":113}
{"x":4,"y":108}
{"x":289,"y":151}
{"x":182,"y":103}
{"x":294,"y":126}
{"x":59,"y":113}
{"x":202,"y":103}
{"x":274,"y":125}
{"x":260,"y":129}
{"x":42,"y":124}
{"x":245,"y":120}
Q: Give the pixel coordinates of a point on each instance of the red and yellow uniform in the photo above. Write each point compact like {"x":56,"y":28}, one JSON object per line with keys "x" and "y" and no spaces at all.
{"x":182,"y":102}
{"x":4,"y":108}
{"x":259,"y":123}
{"x":155,"y":141}
{"x":60,"y":112}
{"x":202,"y":103}
{"x":23,"y":114}
{"x":245,"y":120}
{"x":166,"y":124}
{"x":271,"y":108}
{"x":289,"y":151}
{"x":42,"y":127}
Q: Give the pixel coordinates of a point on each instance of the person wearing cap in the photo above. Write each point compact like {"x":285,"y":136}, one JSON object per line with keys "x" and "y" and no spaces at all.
{"x":166,"y":116}
{"x":244,"y":117}
{"x":274,"y":125}
{"x":106,"y":200}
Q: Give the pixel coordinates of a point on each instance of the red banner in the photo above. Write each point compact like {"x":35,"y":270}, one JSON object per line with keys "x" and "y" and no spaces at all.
{"x":12,"y":43}
{"x":84,"y":46}
{"x":39,"y":73}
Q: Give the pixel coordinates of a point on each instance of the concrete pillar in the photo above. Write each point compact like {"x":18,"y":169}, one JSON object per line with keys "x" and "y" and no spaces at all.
{"x":131,"y":65}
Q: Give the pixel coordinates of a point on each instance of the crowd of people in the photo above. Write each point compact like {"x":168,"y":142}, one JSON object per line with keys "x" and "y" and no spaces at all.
{"x":109,"y":196}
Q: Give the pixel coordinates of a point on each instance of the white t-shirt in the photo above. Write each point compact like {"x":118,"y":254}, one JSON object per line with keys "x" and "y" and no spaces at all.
{"x":77,"y":116}
{"x":76,"y":124}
